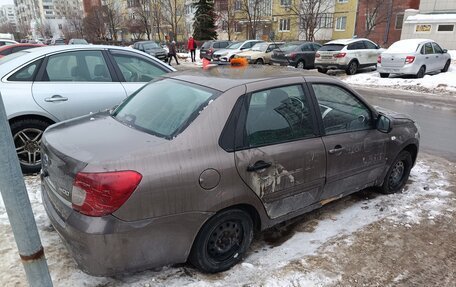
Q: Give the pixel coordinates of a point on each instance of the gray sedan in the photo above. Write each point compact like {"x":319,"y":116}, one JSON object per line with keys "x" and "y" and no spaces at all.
{"x":192,"y":164}
{"x":46,"y":85}
{"x":413,"y":57}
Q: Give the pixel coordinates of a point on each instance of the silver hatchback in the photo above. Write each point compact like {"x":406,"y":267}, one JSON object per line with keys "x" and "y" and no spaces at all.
{"x":46,"y":85}
{"x":413,"y":57}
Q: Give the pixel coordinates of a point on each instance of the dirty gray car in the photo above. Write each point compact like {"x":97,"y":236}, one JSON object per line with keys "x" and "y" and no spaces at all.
{"x":188,"y":167}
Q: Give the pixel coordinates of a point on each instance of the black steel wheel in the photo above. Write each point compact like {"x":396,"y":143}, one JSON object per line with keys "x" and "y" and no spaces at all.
{"x":223,"y":241}
{"x":301,"y":65}
{"x":259,"y":62}
{"x":446,"y":67}
{"x":421,"y":72}
{"x":398,"y":173}
{"x":27,"y":140}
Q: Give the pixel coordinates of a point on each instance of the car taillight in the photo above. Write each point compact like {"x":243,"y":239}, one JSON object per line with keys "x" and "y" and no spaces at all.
{"x":379,"y":59}
{"x":211,"y":51}
{"x":340,"y":55}
{"x":292,"y":56}
{"x":409,"y":59}
{"x":98,"y":194}
{"x":317,"y":55}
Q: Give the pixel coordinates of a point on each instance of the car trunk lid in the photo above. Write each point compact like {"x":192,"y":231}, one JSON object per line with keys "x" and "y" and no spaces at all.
{"x":393,"y":60}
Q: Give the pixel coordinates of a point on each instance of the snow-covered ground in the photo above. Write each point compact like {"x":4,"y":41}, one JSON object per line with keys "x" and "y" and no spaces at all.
{"x":273,"y":253}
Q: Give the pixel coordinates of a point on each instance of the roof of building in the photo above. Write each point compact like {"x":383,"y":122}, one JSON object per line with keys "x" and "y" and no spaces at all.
{"x":431,"y":18}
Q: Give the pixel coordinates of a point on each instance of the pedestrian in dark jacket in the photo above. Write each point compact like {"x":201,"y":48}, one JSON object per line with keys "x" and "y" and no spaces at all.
{"x":172,"y":53}
{"x":191,"y":46}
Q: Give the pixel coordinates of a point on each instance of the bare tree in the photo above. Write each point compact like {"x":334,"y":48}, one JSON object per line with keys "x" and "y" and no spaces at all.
{"x":156,"y":17}
{"x":136,"y":29}
{"x":376,"y":14}
{"x":225,"y":11}
{"x":254,"y":11}
{"x":113,"y":17}
{"x":313,"y":15}
{"x":142,"y":16}
{"x":94,"y":25}
{"x":173,"y":15}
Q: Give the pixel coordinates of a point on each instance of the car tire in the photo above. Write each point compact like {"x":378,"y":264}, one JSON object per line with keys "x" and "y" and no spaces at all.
{"x":259,"y":62}
{"x":421,"y":72}
{"x":352,"y":68}
{"x":300,"y":64}
{"x":27,"y":140}
{"x":222,"y":241}
{"x":446,"y":67}
{"x":322,"y":70}
{"x":384,"y":75}
{"x":398,"y":173}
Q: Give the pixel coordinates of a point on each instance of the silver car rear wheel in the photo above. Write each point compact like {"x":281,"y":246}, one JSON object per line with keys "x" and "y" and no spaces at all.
{"x":27,"y":135}
{"x":421,"y":72}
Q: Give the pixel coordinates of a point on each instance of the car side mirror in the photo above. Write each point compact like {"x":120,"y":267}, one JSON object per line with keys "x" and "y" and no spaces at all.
{"x":445,"y":51}
{"x":383,"y":124}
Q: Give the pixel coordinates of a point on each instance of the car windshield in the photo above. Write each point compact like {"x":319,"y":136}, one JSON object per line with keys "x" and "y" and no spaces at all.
{"x":331,"y":47}
{"x":12,"y":56}
{"x":261,"y":47}
{"x":234,"y":45}
{"x":165,"y":107}
{"x":151,"y":45}
{"x":290,"y":46}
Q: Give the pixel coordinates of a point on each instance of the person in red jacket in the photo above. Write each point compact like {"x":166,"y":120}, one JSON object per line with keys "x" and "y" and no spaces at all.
{"x":191,"y":46}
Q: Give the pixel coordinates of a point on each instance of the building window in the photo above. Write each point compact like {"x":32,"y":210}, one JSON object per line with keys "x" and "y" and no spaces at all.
{"x":399,"y":21}
{"x":222,"y":5}
{"x":341,"y":23}
{"x":224,"y":25}
{"x":238,"y":5}
{"x":285,"y":2}
{"x":284,"y":25}
{"x":237,"y":27}
{"x":445,"y":28}
{"x":342,"y":1}
{"x":60,"y":26}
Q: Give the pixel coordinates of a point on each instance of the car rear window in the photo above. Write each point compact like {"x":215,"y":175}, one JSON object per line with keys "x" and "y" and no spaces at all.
{"x":165,"y":107}
{"x":332,"y":47}
{"x":206,"y":45}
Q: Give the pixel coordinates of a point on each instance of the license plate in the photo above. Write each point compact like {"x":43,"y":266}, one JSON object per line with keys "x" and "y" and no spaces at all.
{"x":276,"y":64}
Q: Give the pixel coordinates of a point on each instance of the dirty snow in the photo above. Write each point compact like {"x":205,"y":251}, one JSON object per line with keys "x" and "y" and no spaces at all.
{"x":441,"y":82}
{"x":268,"y":263}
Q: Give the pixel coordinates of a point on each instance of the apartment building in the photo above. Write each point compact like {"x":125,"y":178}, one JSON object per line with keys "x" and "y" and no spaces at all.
{"x":435,"y":19}
{"x":8,"y":17}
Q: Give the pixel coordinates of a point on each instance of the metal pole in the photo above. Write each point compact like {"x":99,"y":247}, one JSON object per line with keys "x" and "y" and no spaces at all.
{"x":19,"y":210}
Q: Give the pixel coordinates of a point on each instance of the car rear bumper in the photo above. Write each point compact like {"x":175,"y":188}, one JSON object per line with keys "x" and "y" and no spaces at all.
{"x":282,"y":62}
{"x":105,"y":246}
{"x":404,"y":70}
{"x":330,"y":66}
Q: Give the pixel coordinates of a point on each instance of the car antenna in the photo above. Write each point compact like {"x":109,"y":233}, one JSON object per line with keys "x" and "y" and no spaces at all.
{"x":271,"y":37}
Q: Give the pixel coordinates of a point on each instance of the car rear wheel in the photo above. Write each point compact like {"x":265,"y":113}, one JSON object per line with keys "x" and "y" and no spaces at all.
{"x":222,"y":241}
{"x":301,"y":65}
{"x":384,"y":75}
{"x":259,"y":62}
{"x":27,"y":140}
{"x":398,"y":173}
{"x":352,"y":68}
{"x":421,"y":72}
{"x":446,"y":67}
{"x":322,"y":70}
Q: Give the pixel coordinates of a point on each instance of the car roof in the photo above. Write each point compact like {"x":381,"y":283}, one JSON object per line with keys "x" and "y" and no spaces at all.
{"x":346,"y":41}
{"x":225,"y":77}
{"x":20,"y":45}
{"x":415,"y":41}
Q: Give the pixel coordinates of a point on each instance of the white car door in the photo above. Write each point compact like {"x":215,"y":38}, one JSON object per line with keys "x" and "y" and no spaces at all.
{"x":76,"y":83}
{"x":429,"y":59}
{"x":136,"y":70}
{"x":440,"y":59}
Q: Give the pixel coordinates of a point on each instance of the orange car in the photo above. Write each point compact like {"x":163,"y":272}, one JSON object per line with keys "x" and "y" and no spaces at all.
{"x":10,"y":49}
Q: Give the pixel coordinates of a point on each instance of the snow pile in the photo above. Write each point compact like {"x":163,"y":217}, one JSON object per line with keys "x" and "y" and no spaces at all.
{"x":429,"y":83}
{"x":272,"y":253}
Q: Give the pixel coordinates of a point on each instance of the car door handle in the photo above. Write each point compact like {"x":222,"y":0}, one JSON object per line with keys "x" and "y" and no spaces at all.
{"x":258,"y":165}
{"x":56,"y":98}
{"x":336,"y":149}
{"x":427,"y":57}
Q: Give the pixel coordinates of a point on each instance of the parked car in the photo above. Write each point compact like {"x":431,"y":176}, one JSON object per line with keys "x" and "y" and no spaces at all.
{"x":413,"y":57}
{"x":10,"y":49}
{"x":299,"y":54}
{"x":4,"y":42}
{"x":152,"y":48}
{"x":58,"y":42}
{"x":348,"y":55}
{"x":45,"y":85}
{"x":260,"y":53}
{"x":78,"y":42}
{"x":190,"y":165}
{"x":229,"y":52}
{"x":209,"y":47}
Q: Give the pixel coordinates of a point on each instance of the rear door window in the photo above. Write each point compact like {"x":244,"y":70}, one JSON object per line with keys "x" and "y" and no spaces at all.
{"x":216,"y":45}
{"x":356,"y":46}
{"x":428,"y":49}
{"x":224,"y":44}
{"x":370,"y":45}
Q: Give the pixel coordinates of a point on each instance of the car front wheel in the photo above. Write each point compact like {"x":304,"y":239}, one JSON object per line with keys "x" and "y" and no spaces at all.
{"x":27,"y":140}
{"x":398,"y":173}
{"x":446,"y":67}
{"x":222,"y":241}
